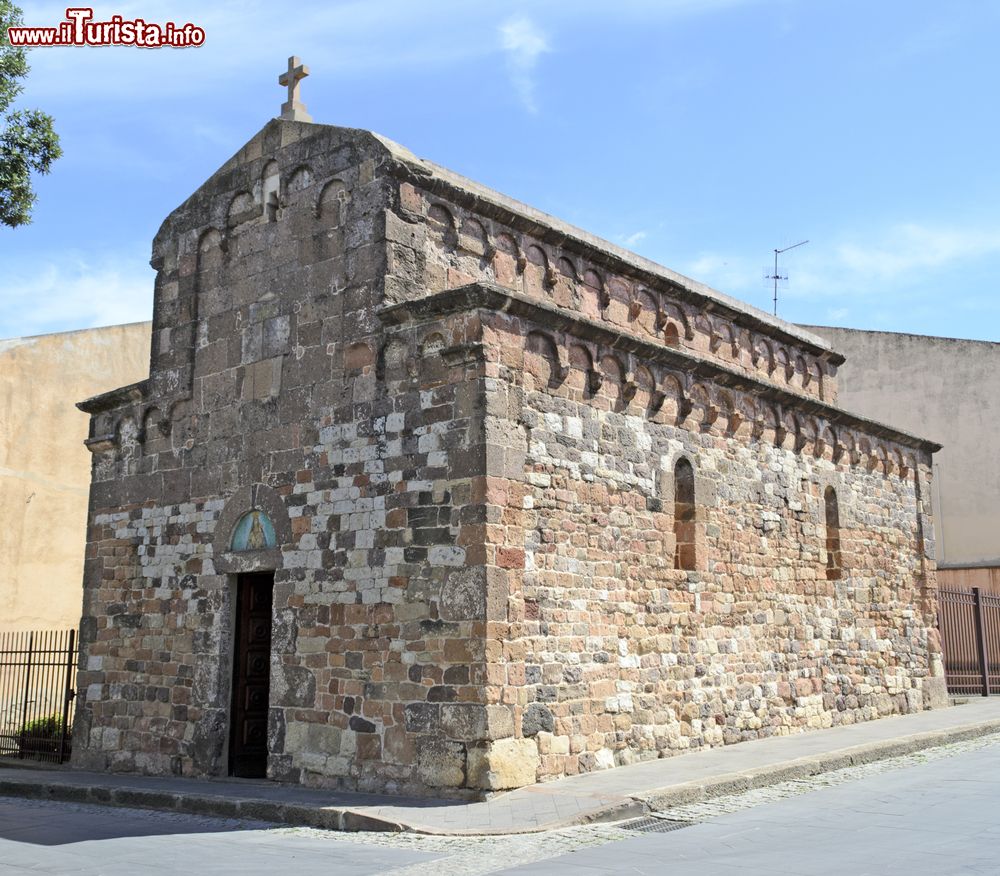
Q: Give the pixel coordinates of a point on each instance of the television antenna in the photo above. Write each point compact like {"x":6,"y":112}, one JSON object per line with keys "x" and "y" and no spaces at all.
{"x":776,"y":277}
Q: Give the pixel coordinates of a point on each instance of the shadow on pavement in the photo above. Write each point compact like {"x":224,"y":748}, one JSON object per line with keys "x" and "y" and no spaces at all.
{"x":46,"y":823}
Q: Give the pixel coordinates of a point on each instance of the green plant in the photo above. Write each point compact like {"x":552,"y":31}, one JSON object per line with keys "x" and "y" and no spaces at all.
{"x":28,"y":142}
{"x":42,"y":736}
{"x":43,"y":728}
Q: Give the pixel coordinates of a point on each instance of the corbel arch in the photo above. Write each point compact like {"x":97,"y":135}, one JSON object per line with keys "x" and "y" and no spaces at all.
{"x":582,"y":372}
{"x":443,"y":226}
{"x":211,"y":249}
{"x":299,"y":179}
{"x":544,"y":359}
{"x":674,"y":407}
{"x":594,"y":283}
{"x":241,"y":210}
{"x":331,"y":202}
{"x":674,"y":311}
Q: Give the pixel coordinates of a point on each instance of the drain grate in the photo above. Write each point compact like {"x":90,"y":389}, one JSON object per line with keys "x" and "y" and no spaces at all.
{"x":652,"y":824}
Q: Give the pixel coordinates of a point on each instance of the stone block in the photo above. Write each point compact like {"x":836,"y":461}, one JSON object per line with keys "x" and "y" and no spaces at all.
{"x":503,"y":765}
{"x":463,"y":594}
{"x":441,"y":763}
{"x":537,"y":718}
{"x":422,"y":717}
{"x":472,"y":722}
{"x":316,"y":739}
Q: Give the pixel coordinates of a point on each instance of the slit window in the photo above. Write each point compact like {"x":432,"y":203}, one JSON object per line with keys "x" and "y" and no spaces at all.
{"x":684,"y":522}
{"x":833,"y":558}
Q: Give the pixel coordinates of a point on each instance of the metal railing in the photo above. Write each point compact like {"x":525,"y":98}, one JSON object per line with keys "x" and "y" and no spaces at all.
{"x":37,"y":688}
{"x":969,"y":623}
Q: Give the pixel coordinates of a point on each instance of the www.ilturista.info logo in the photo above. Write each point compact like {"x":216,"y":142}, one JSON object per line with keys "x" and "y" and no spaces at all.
{"x":78,"y":29}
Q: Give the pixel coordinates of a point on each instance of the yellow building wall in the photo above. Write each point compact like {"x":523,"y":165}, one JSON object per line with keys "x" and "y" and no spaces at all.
{"x":45,"y":467}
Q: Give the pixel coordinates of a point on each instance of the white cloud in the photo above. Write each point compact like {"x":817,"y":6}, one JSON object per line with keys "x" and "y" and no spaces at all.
{"x":879,"y":263}
{"x":634,"y":239}
{"x":908,"y":248}
{"x":340,"y":41}
{"x":886,"y":278}
{"x":732,"y":273}
{"x":73,"y":290}
{"x":524,"y":43}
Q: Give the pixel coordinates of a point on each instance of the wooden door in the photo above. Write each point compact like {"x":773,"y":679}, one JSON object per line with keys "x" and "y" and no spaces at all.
{"x":251,"y":676}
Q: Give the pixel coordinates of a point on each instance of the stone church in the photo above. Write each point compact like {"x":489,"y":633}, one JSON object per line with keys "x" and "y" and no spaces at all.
{"x":429,"y":492}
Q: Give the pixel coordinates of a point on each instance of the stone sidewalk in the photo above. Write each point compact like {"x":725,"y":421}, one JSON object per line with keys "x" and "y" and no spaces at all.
{"x":602,"y":796}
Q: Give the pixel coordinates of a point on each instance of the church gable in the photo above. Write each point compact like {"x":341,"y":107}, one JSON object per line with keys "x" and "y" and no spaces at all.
{"x":288,"y":233}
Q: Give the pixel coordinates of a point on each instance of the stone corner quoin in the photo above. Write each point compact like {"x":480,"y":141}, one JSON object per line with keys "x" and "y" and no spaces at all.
{"x":539,"y":506}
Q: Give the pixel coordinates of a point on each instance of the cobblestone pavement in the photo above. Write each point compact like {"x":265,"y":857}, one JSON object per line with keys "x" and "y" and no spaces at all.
{"x":66,"y":838}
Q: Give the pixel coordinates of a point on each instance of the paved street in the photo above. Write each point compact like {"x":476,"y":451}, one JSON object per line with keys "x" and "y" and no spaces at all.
{"x":66,"y":838}
{"x":934,"y":819}
{"x":928,"y":813}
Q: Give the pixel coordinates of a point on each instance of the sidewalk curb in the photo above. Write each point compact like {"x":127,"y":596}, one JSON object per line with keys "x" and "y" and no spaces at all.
{"x":804,"y":767}
{"x":350,"y":819}
{"x":627,"y":809}
{"x":247,"y":808}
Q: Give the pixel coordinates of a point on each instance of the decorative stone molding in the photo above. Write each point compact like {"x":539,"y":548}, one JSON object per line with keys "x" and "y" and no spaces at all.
{"x":558,"y":243}
{"x":255,"y":497}
{"x":687,"y":366}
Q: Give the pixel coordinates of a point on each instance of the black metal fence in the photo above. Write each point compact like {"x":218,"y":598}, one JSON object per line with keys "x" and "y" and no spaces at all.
{"x":969,"y":623}
{"x":37,"y":686}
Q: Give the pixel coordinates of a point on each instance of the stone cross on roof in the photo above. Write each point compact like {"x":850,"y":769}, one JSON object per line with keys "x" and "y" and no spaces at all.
{"x":293,"y":109}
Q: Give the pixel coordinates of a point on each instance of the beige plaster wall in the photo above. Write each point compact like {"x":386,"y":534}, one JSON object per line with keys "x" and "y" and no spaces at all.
{"x":45,"y":467}
{"x":947,"y":390}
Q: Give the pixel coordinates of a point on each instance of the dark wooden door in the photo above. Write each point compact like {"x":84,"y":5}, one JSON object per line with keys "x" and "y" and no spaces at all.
{"x":251,"y":676}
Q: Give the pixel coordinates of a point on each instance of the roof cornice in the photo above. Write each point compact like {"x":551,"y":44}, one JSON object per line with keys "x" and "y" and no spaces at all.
{"x":490,"y":297}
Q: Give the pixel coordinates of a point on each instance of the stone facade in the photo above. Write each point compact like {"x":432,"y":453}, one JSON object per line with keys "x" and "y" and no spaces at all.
{"x":540,"y":506}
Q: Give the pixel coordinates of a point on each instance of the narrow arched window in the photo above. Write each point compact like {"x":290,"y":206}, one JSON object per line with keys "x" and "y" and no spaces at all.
{"x":833,"y":568}
{"x":684,"y":553}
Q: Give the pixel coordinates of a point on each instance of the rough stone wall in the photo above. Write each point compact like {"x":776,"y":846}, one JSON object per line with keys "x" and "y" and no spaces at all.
{"x":379,"y":597}
{"x":609,"y":654}
{"x":756,"y":641}
{"x":613,"y":655}
{"x":474,"y":582}
{"x":275,"y":385}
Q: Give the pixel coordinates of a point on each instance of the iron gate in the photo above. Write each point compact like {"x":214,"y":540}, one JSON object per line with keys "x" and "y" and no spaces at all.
{"x":969,"y":623}
{"x":37,"y":687}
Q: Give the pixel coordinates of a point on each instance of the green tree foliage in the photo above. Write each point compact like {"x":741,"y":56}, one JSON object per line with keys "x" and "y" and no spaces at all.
{"x":27,"y":139}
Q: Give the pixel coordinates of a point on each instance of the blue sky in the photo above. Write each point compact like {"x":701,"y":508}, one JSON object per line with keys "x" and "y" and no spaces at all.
{"x":700,"y":133}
